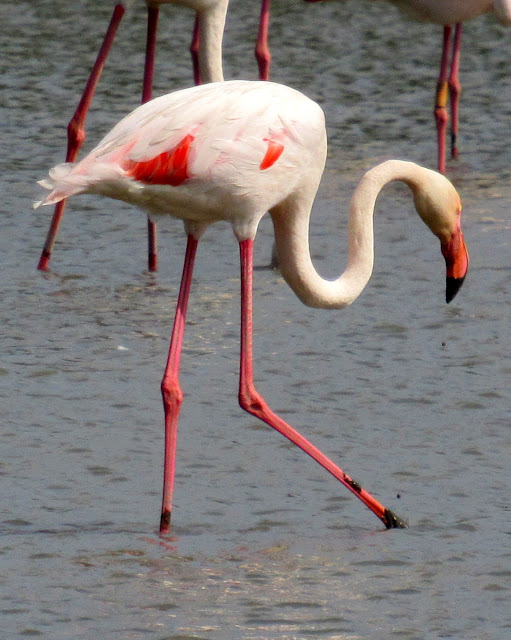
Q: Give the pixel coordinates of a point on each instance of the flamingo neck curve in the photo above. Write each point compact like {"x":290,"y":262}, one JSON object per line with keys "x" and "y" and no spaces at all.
{"x":292,"y":237}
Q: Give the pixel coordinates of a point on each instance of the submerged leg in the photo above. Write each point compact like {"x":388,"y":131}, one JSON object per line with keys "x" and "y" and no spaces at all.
{"x":147,"y":94}
{"x":455,"y":88}
{"x":262,"y":51}
{"x":442,"y":95}
{"x":251,"y":401}
{"x":170,"y":388}
{"x":76,"y":128}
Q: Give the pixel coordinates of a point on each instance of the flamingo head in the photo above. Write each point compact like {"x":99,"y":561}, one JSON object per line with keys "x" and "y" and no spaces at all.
{"x":439,"y":205}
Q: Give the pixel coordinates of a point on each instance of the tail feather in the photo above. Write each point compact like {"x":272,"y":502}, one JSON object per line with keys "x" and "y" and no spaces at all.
{"x":68,"y":179}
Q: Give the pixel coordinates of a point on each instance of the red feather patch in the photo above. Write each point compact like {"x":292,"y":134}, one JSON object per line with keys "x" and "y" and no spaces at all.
{"x":273,"y":153}
{"x":170,"y":167}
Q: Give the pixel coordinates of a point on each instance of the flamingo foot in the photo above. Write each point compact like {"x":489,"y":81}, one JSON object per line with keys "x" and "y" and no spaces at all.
{"x":44,"y":261}
{"x":393,"y":521}
{"x":165,"y":523}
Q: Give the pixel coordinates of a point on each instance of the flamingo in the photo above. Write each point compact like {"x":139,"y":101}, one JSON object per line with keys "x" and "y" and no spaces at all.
{"x":206,"y":53}
{"x":233,"y":151}
{"x":448,"y":13}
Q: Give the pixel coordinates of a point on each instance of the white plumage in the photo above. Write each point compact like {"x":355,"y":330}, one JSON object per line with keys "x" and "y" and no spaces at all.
{"x":232,"y":124}
{"x":444,"y":12}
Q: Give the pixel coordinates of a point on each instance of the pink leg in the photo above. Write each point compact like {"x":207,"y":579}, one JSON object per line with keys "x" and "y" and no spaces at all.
{"x":194,"y":52}
{"x":262,"y":51}
{"x":170,"y":388}
{"x":251,"y":401}
{"x":76,"y":128}
{"x":147,"y":94}
{"x":442,"y":93}
{"x":455,"y":88}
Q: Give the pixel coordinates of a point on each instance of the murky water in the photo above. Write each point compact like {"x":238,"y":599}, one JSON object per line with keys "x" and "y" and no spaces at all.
{"x":408,"y":395}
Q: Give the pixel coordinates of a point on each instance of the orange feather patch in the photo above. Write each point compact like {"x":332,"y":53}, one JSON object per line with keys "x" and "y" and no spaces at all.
{"x":170,"y":167}
{"x":273,"y":153}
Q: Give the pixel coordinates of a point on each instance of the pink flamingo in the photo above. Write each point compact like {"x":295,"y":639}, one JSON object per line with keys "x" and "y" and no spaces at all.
{"x":206,"y":53}
{"x":448,"y":13}
{"x":233,"y":151}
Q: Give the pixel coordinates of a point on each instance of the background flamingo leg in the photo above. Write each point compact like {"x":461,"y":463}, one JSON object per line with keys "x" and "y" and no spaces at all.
{"x":147,"y":94}
{"x":170,"y":387}
{"x":262,"y":51}
{"x":194,"y":51}
{"x":76,"y":128}
{"x":455,"y":88}
{"x":442,"y":96}
{"x":252,"y":402}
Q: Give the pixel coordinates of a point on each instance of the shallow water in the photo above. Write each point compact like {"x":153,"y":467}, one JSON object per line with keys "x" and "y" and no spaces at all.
{"x":408,"y":395}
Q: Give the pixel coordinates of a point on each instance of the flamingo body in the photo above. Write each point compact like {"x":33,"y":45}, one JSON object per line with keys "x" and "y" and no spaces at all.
{"x":219,"y":143}
{"x":451,"y":12}
{"x":232,"y":151}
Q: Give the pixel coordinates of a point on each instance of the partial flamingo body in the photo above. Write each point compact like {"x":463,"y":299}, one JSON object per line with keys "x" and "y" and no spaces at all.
{"x":206,"y":54}
{"x":449,"y":14}
{"x":233,"y":151}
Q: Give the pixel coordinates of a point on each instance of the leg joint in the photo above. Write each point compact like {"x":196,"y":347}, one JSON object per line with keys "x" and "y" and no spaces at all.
{"x":251,"y":401}
{"x":171,"y":392}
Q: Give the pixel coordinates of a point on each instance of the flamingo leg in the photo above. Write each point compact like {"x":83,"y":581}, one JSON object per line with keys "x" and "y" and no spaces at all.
{"x":442,"y":95}
{"x":170,"y":387}
{"x":194,"y":51}
{"x":147,"y":94}
{"x":252,"y":402}
{"x":262,"y":51}
{"x":76,"y":128}
{"x":455,"y":88}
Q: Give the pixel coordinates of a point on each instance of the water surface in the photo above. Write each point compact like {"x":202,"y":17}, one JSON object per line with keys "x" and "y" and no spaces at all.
{"x":408,"y":395}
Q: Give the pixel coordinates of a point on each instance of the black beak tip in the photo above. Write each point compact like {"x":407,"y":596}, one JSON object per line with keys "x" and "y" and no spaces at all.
{"x":453,"y":285}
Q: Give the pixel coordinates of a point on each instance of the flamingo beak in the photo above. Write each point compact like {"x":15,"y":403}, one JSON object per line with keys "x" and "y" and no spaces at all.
{"x":456,"y":260}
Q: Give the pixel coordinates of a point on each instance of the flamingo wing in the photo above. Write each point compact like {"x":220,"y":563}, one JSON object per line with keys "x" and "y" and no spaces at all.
{"x":201,"y":127}
{"x":225,"y":135}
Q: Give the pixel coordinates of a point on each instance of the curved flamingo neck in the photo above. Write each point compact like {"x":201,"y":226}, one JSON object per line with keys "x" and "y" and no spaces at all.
{"x":291,"y":222}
